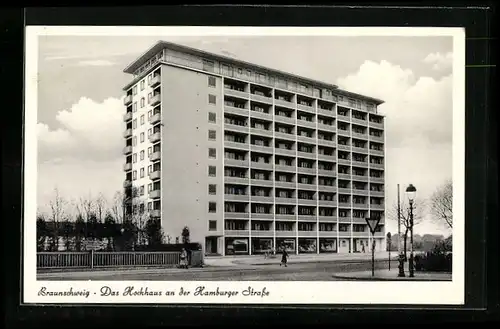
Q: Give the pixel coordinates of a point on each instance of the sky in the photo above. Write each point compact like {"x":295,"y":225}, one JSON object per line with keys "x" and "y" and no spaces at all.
{"x":80,"y":108}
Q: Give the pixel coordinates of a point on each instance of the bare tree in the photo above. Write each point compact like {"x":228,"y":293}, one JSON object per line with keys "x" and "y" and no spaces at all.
{"x":441,"y":206}
{"x":118,"y":207}
{"x":100,"y":207}
{"x":419,"y":210}
{"x":86,"y":207}
{"x":57,"y":214}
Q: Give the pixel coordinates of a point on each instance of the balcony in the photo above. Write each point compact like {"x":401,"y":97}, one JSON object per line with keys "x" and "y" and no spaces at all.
{"x":362,"y":150}
{"x":377,"y":152}
{"x":307,"y":218}
{"x":261,"y":165}
{"x":155,"y":118}
{"x":307,"y":187}
{"x":363,"y":164}
{"x":291,"y":201}
{"x":307,"y":202}
{"x":379,"y":139}
{"x":379,"y":125}
{"x":236,"y":110}
{"x":284,"y":151}
{"x":362,"y":136}
{"x":360,"y":205}
{"x":328,"y":219}
{"x":261,"y":149}
{"x":263,"y":199}
{"x":156,"y":99}
{"x":377,"y":165}
{"x":327,"y":188}
{"x":261,"y":115}
{"x":262,"y":182}
{"x":306,"y":139}
{"x":306,"y":108}
{"x":327,"y":157}
{"x":155,"y":156}
{"x":360,"y":178}
{"x":236,"y":215}
{"x":344,"y":205}
{"x":236,"y":128}
{"x":127,"y":116}
{"x":343,"y":132}
{"x":127,"y":184}
{"x":155,"y":213}
{"x":377,"y":193}
{"x":236,"y":145}
{"x":127,"y":166}
{"x":238,"y":233}
{"x":283,"y":184}
{"x":284,"y":103}
{"x":261,"y":98}
{"x":360,"y":192}
{"x":155,"y":137}
{"x":327,"y":234}
{"x":325,"y":127}
{"x":344,"y":118}
{"x":307,"y":155}
{"x":377,"y":206}
{"x":359,"y":220}
{"x":326,"y":142}
{"x":261,"y":132}
{"x":284,"y":168}
{"x":236,"y":197}
{"x":305,"y":123}
{"x":343,"y":161}
{"x":307,"y":233}
{"x":344,"y":147}
{"x":326,"y":173}
{"x":155,"y":175}
{"x":288,"y":217}
{"x":265,"y":216}
{"x":236,"y":180}
{"x":327,"y":113}
{"x":262,"y":233}
{"x":155,"y":194}
{"x":286,"y":234}
{"x":127,"y":100}
{"x":236,"y":93}
{"x":345,"y":220}
{"x":305,"y":170}
{"x":155,"y":81}
{"x":343,"y":176}
{"x":344,"y":190}
{"x":377,"y":179}
{"x":127,"y":150}
{"x":360,"y":122}
{"x":285,"y":136}
{"x":284,"y":119}
{"x":236,"y":162}
{"x":327,"y":203}
{"x":127,"y":133}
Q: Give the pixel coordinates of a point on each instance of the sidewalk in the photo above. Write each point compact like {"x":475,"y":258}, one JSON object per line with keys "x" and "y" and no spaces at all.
{"x":303,"y":258}
{"x":386,"y":275}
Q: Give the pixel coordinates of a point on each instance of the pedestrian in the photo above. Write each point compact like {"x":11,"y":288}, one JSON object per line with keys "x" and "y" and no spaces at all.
{"x":284,"y":258}
{"x":184,"y":260}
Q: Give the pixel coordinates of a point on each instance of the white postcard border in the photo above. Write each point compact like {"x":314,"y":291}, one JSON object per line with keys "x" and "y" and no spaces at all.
{"x":335,"y":292}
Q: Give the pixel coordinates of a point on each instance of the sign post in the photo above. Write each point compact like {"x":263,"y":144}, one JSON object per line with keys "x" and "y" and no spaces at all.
{"x":389,"y":244}
{"x":373,"y":224}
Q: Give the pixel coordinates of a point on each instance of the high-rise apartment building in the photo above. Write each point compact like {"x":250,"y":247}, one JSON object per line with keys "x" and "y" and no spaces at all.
{"x":251,"y":158}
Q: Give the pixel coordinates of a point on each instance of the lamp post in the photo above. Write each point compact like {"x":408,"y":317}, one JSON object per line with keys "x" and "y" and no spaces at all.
{"x":401,"y":256}
{"x":410,"y":192}
{"x":372,"y":225}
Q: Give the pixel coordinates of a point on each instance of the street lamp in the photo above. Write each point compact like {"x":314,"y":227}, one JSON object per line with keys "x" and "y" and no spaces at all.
{"x":411,"y":191}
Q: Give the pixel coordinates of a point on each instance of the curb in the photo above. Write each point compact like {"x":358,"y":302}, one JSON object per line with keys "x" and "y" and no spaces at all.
{"x":349,"y":261}
{"x":369,"y":278}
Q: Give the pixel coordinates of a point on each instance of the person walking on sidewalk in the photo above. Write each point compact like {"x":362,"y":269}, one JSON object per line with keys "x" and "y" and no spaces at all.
{"x":284,"y":257}
{"x":184,"y":259}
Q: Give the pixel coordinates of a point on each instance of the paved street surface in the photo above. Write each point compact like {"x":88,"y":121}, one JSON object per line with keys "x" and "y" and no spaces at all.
{"x":386,"y":275}
{"x":299,"y":270}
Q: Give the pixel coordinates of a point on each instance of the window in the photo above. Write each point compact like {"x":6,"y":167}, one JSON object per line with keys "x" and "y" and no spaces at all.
{"x":134,"y":124}
{"x":212,"y":153}
{"x":212,"y":134}
{"x":134,"y":141}
{"x":134,"y":90}
{"x":141,"y":190}
{"x":142,"y":137}
{"x":212,"y":206}
{"x":150,"y":187}
{"x":240,"y":71}
{"x":150,"y":114}
{"x":142,"y":173}
{"x":208,"y":65}
{"x":134,"y":158}
{"x":212,"y":117}
{"x":134,"y":107}
{"x":142,"y":84}
{"x":150,"y":169}
{"x":150,"y":205}
{"x":212,"y":99}
{"x":211,"y":82}
{"x":134,"y":174}
{"x":142,"y":155}
{"x":150,"y":77}
{"x":150,"y":150}
{"x":150,"y":131}
{"x":212,"y":171}
{"x":212,"y":189}
{"x":149,"y":97}
{"x":142,"y":119}
{"x":212,"y":225}
{"x":142,"y":102}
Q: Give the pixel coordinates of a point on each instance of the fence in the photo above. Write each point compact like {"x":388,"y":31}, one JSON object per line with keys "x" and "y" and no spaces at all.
{"x":97,"y":259}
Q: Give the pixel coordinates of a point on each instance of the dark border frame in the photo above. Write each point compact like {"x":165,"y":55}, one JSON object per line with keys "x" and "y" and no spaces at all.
{"x":481,"y":197}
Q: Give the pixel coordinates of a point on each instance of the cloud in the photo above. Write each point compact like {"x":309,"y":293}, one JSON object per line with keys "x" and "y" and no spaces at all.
{"x":439,"y":61}
{"x":97,"y":62}
{"x":89,"y":130}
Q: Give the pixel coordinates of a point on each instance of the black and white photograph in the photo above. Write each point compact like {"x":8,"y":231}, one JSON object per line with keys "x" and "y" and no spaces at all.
{"x":244,"y":165}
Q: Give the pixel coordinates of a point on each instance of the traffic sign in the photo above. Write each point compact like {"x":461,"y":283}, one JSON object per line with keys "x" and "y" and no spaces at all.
{"x":372,"y":223}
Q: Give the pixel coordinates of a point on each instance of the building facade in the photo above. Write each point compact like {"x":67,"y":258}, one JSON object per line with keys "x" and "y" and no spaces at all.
{"x":250,"y":158}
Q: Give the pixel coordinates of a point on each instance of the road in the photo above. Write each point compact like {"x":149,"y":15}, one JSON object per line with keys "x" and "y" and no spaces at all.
{"x":307,"y":271}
